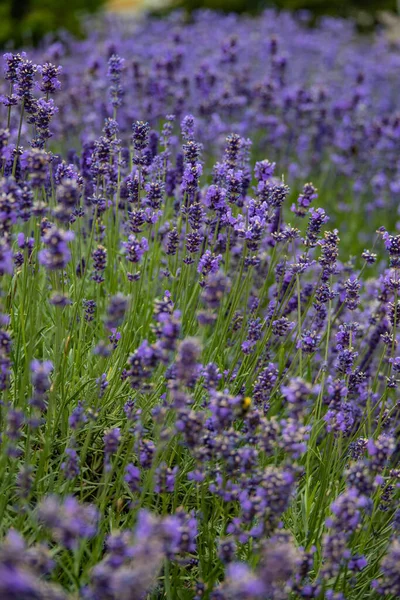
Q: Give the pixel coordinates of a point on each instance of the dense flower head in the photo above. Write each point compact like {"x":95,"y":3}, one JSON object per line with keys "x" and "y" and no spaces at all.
{"x":50,"y":74}
{"x":11,"y":64}
{"x":99,"y":257}
{"x":25,"y":74}
{"x":352,"y":293}
{"x":317,"y":218}
{"x":140,"y":134}
{"x":135,"y":248}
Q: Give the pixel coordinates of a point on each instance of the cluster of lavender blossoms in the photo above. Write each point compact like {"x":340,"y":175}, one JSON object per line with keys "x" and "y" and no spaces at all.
{"x":198,"y":377}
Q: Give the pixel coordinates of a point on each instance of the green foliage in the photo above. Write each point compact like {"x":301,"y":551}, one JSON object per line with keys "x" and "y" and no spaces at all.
{"x":317,"y":7}
{"x":27,"y":21}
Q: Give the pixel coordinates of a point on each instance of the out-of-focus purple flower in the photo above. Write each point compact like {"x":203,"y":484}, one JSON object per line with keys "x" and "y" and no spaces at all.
{"x":68,"y":520}
{"x":70,"y":466}
{"x":40,"y":372}
{"x":24,"y":481}
{"x":78,"y":417}
{"x":241,"y":582}
{"x":115,"y":68}
{"x":388,"y":583}
{"x":35,"y":162}
{"x":111,"y":439}
{"x":6,"y":259}
{"x":140,"y":362}
{"x":187,"y":366}
{"x":103,"y":384}
{"x":254,"y":334}
{"x":132,"y":477}
{"x":380,"y":450}
{"x":181,"y":529}
{"x":116,"y":311}
{"x":187,"y":127}
{"x":164,"y":479}
{"x":57,"y":254}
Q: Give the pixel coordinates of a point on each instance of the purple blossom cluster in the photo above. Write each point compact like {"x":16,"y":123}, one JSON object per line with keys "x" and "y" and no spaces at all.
{"x":198,"y":377}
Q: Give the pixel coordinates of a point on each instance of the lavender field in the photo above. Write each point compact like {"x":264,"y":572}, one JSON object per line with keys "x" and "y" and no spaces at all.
{"x":199,"y":361}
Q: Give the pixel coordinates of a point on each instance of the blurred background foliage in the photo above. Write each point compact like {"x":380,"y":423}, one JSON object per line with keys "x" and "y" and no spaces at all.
{"x":342,"y":8}
{"x":27,"y":21}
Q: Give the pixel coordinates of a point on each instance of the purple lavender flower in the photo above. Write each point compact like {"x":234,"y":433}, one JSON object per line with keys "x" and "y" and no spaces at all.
{"x":90,"y":309}
{"x":57,"y":254}
{"x":111,"y":439}
{"x":50,"y":74}
{"x":115,"y":68}
{"x":24,"y":76}
{"x":309,"y":341}
{"x":282,"y":326}
{"x":140,"y":135}
{"x":102,"y":383}
{"x":70,"y":466}
{"x":304,"y":200}
{"x":165,"y":478}
{"x":68,"y":520}
{"x":240,"y":582}
{"x":24,"y":481}
{"x":317,"y":219}
{"x":6,"y":259}
{"x":132,"y":478}
{"x":352,"y":297}
{"x":35,"y":162}
{"x":44,"y":111}
{"x":187,"y":127}
{"x":11,"y":64}
{"x":181,"y":528}
{"x":135,"y":249}
{"x":187,"y":367}
{"x":40,"y":372}
{"x":209,"y":263}
{"x":78,"y":417}
{"x":254,"y":333}
{"x":264,"y":170}
{"x":116,"y":311}
{"x":392,"y":244}
{"x":172,"y":242}
{"x":369,"y":257}
{"x":388,"y":583}
{"x":154,"y":194}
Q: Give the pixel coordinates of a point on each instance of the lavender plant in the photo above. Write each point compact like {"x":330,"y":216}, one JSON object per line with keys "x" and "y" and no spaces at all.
{"x":198,"y":383}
